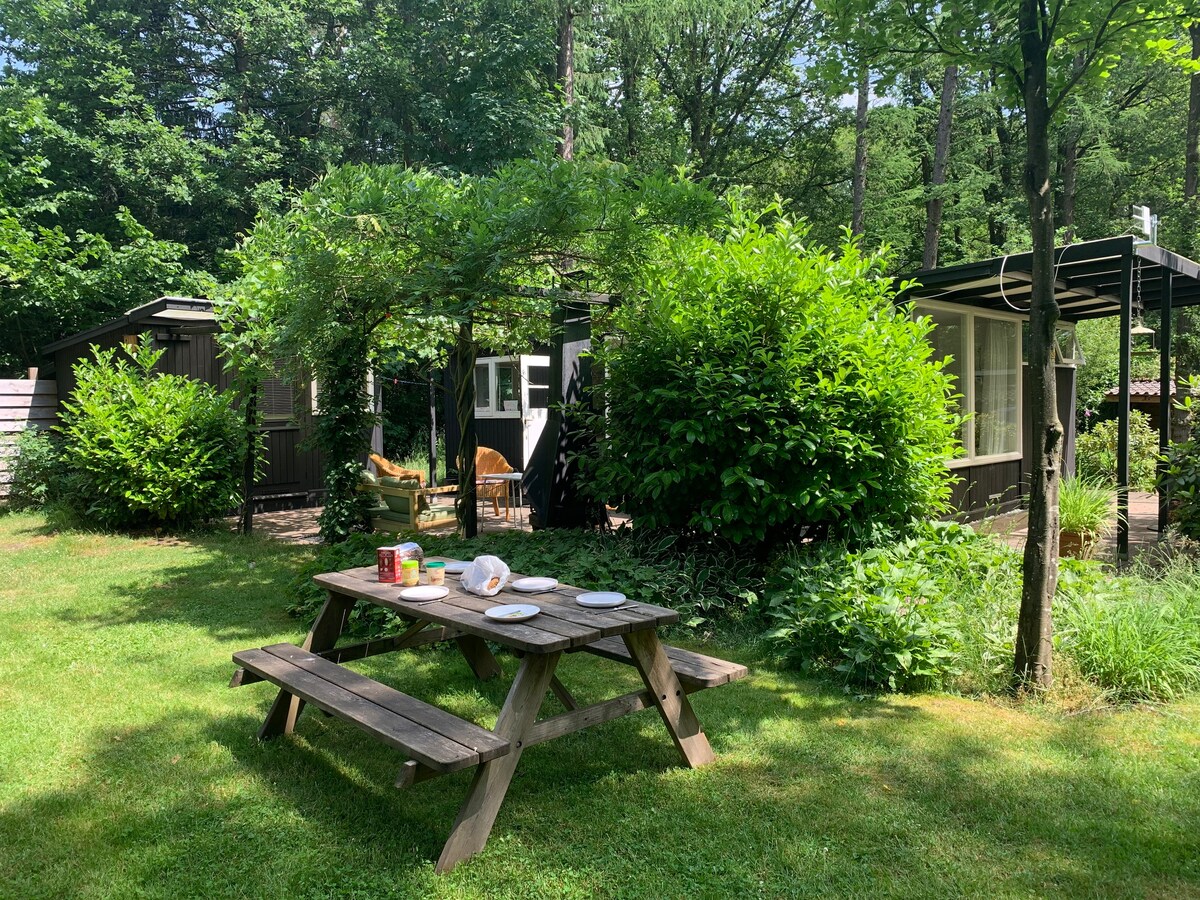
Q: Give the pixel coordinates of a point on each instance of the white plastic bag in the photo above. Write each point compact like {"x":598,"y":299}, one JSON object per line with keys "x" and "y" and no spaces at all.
{"x":485,"y":576}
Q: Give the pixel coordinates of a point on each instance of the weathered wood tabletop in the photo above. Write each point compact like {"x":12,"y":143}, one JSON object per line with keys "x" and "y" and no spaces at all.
{"x":627,"y":636}
{"x":561,"y":625}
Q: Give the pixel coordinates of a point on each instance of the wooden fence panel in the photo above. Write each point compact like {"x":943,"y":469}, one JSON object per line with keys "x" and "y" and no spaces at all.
{"x":23,"y":404}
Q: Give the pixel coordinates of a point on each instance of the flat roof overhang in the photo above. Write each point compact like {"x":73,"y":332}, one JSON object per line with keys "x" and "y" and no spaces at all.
{"x":1087,"y":280}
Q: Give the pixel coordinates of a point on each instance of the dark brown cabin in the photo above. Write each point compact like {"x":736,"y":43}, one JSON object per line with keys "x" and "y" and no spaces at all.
{"x":184,"y":328}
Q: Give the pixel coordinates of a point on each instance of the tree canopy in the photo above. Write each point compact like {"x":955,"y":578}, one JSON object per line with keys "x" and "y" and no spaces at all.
{"x":158,"y":133}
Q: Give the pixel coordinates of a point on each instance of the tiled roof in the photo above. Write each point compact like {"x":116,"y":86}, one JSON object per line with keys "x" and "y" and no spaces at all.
{"x":1143,"y":388}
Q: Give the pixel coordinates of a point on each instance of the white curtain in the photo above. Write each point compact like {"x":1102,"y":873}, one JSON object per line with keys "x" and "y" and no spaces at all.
{"x":996,"y":382}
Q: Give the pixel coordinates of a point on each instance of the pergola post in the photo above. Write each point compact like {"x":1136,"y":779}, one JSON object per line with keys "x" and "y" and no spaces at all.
{"x":1126,"y":296}
{"x":1164,"y":390}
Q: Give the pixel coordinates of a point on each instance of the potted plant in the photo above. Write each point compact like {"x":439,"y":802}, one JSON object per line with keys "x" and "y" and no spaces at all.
{"x":1084,"y":515}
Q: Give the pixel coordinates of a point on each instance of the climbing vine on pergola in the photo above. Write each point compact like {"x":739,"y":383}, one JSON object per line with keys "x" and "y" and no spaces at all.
{"x":375,"y":258}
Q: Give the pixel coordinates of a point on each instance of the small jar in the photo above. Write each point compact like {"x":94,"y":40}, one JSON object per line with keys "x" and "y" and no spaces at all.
{"x":436,"y":572}
{"x":410,"y":573}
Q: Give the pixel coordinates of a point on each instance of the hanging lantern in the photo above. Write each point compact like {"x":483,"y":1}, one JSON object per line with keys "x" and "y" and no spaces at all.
{"x":1141,"y":337}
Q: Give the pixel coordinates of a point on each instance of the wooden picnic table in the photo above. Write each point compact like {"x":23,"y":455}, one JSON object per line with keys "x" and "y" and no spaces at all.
{"x":438,"y":742}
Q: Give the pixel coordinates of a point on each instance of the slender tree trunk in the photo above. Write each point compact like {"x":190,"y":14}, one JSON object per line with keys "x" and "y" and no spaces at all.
{"x":629,"y":89}
{"x":566,"y":78}
{"x":1070,"y":160}
{"x":941,"y":155}
{"x":248,"y":462}
{"x":859,"y":184}
{"x":1032,"y":661}
{"x":1070,"y":167}
{"x":433,"y":457}
{"x":463,"y":368}
{"x":1191,"y":169}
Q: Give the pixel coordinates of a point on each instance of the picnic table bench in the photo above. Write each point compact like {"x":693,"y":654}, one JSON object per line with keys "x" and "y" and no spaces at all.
{"x":438,"y":742}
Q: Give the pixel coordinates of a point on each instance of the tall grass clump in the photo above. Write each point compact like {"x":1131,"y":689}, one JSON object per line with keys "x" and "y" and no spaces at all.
{"x":1137,"y":638}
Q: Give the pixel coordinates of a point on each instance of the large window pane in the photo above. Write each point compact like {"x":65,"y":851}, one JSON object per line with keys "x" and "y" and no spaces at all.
{"x":508,"y":385}
{"x":949,"y":339}
{"x":483,"y":388}
{"x":996,"y":386}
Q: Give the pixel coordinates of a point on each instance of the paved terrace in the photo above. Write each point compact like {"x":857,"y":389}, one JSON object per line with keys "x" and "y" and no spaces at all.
{"x":299,"y":526}
{"x":1013,"y":527}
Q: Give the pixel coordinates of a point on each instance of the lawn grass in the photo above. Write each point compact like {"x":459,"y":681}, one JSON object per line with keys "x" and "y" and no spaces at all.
{"x":127,"y":768}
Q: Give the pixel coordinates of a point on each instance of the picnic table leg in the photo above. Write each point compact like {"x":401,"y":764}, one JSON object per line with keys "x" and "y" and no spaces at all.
{"x":478,"y":812}
{"x":673,"y":704}
{"x":323,"y":635}
{"x":478,"y":656}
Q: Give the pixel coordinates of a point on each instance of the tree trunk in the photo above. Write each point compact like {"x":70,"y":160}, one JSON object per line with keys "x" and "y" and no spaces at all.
{"x":463,"y":368}
{"x":937,"y":178}
{"x":248,"y":463}
{"x":1070,"y":167}
{"x":1032,"y":661}
{"x":629,"y":90}
{"x":859,"y":184}
{"x":1191,"y":169}
{"x":1070,"y":160}
{"x":566,"y":78}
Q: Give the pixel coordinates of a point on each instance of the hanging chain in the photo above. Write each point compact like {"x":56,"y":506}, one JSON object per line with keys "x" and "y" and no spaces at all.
{"x":1138,"y":293}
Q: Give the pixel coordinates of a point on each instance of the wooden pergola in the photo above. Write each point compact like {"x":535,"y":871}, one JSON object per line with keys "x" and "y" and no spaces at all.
{"x":1119,"y":276}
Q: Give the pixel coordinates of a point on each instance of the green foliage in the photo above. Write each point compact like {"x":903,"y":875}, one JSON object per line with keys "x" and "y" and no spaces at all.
{"x":379,"y":261}
{"x":1084,"y":507}
{"x":760,"y":385}
{"x":147,"y":448}
{"x":1137,"y":639}
{"x":36,"y":470}
{"x":896,"y":614}
{"x":701,"y":580}
{"x":1096,"y":453}
{"x":1180,"y":478}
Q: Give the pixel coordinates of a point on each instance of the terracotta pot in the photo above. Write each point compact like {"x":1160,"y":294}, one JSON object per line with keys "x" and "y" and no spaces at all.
{"x":1076,"y":544}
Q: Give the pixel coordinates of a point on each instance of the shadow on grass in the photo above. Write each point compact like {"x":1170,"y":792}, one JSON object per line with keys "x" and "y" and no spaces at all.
{"x":812,"y":793}
{"x":229,"y":586}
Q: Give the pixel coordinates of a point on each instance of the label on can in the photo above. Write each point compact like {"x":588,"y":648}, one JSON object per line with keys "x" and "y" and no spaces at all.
{"x":387,"y":564}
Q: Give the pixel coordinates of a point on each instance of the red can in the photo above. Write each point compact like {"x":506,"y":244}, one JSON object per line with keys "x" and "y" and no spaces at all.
{"x":387,"y":564}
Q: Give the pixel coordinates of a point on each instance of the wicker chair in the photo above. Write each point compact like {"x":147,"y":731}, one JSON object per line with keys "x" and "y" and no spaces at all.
{"x":491,"y":462}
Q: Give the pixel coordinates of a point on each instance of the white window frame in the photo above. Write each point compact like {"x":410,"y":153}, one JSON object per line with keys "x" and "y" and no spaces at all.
{"x":492,"y":363}
{"x":970,"y":314}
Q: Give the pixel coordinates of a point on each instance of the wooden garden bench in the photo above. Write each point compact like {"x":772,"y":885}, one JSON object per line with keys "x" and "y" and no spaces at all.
{"x":695,"y":670}
{"x":431,"y":736}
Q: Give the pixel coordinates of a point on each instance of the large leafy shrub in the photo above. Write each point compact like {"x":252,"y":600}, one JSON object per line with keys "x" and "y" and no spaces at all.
{"x":899,"y":613}
{"x":1096,"y":453}
{"x":1180,"y":478}
{"x":759,"y":385}
{"x":149,"y":448}
{"x":36,"y":470}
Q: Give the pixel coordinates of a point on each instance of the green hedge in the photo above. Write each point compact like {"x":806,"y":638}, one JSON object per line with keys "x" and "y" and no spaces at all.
{"x":144,"y":448}
{"x":758,"y":385}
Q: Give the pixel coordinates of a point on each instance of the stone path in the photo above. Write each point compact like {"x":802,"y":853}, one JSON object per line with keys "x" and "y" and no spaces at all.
{"x":1013,"y":527}
{"x":299,"y":526}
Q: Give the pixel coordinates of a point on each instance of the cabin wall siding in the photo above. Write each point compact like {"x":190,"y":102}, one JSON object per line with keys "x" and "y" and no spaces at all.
{"x":292,"y":469}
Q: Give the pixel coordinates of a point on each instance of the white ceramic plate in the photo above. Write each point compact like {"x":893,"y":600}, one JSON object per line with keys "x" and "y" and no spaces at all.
{"x":424,"y":592}
{"x":601,"y":599}
{"x":513,"y":612}
{"x":534,"y":585}
{"x":456,"y":566}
